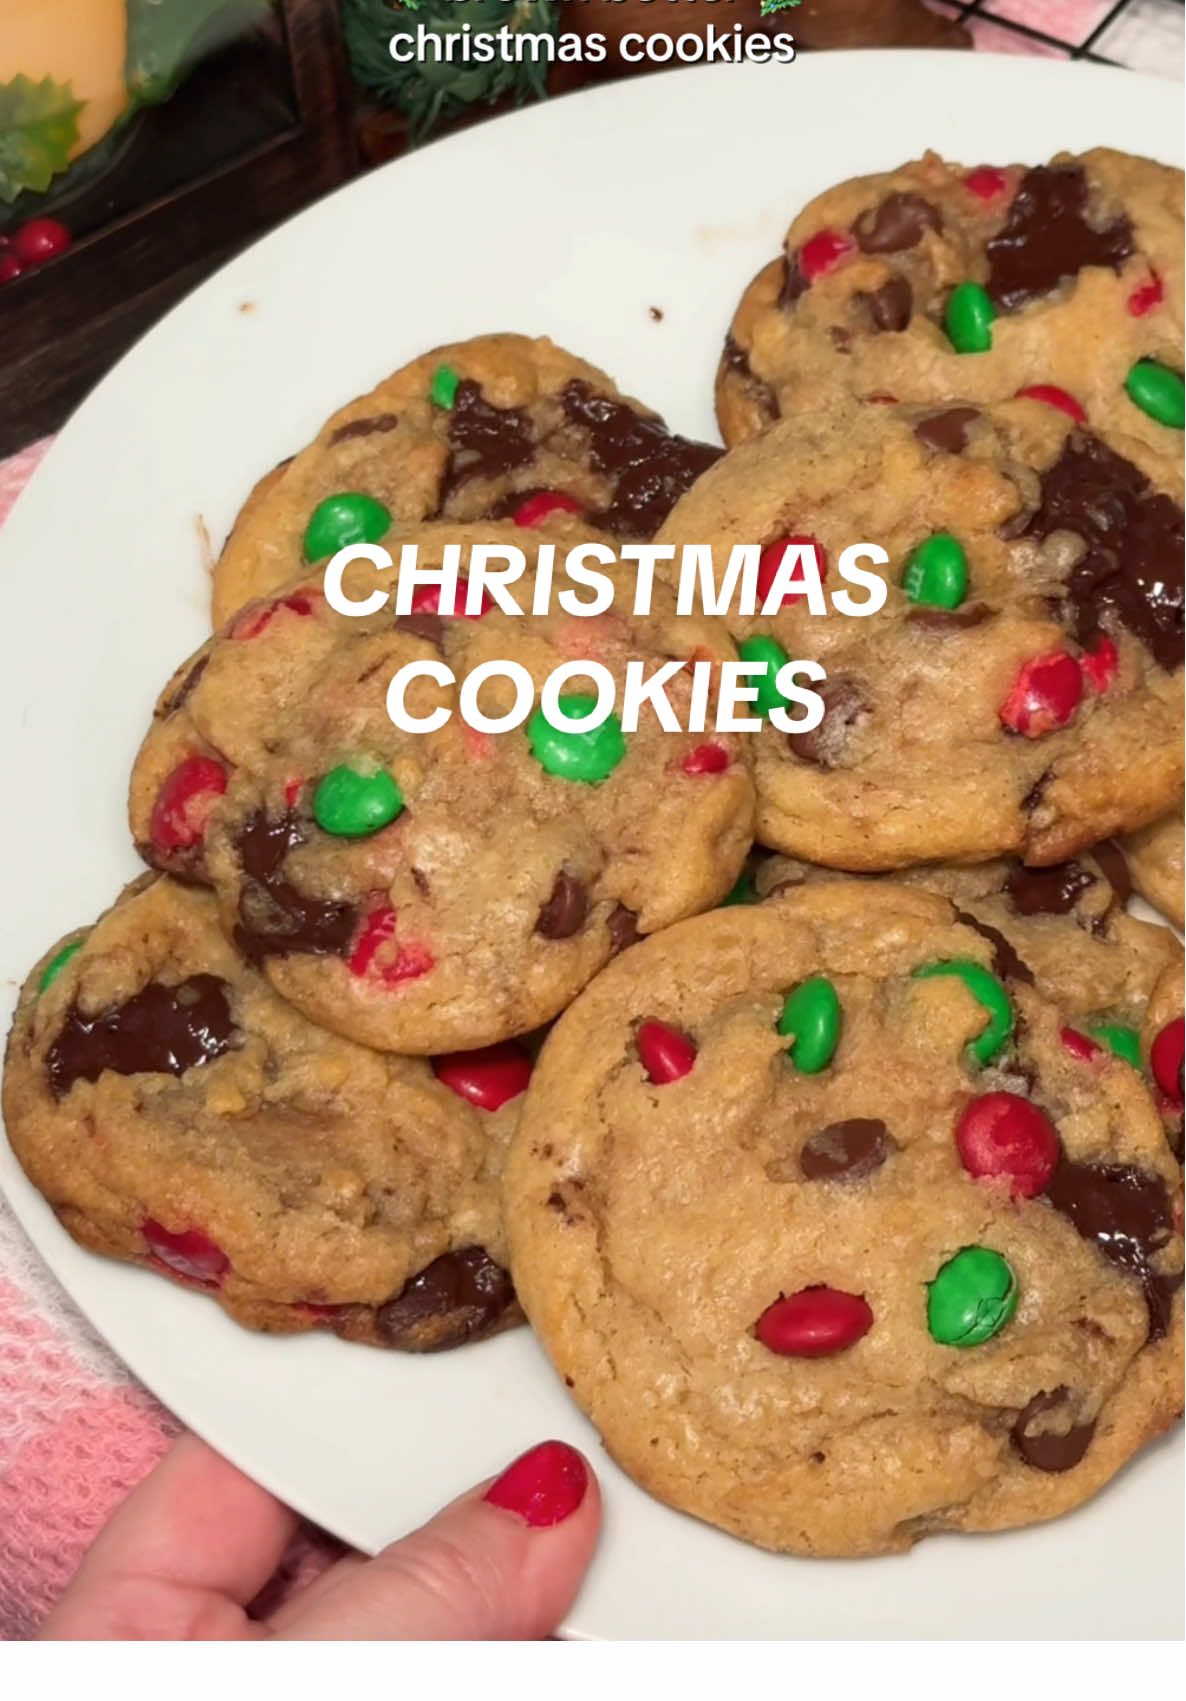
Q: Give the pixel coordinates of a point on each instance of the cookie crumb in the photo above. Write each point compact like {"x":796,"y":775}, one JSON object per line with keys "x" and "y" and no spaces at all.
{"x":656,"y":313}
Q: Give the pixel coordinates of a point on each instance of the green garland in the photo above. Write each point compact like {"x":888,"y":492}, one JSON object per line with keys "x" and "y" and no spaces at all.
{"x":430,"y":94}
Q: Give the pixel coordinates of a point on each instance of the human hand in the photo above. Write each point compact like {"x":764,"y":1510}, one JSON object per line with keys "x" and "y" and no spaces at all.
{"x":196,"y":1542}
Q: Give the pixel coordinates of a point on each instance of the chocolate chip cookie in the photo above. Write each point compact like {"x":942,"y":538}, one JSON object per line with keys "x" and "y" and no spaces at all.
{"x":502,"y":427}
{"x":429,"y":891}
{"x":1155,"y":857}
{"x":176,"y":1113}
{"x":1020,"y":690}
{"x":936,"y":282}
{"x":834,"y":1240}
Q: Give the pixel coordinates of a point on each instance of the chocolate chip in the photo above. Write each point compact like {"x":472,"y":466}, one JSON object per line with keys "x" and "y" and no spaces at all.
{"x":794,"y":284}
{"x":459,"y":1297}
{"x":623,"y":928}
{"x":485,"y":441}
{"x":1047,"y":891}
{"x":960,"y":619}
{"x":946,"y":431}
{"x":898,"y":222}
{"x":365,"y":427}
{"x":163,"y":1030}
{"x":423,"y":623}
{"x":648,"y":466}
{"x":185,"y":690}
{"x":1131,"y":568}
{"x":1046,"y":237}
{"x":1037,"y":791}
{"x":847,"y":1151}
{"x":565,"y":910}
{"x":890,"y":306}
{"x":1113,"y":866}
{"x":1006,"y":963}
{"x":735,"y":360}
{"x":275,"y":917}
{"x":1056,"y":1448}
{"x":845,"y":706}
{"x":1126,"y":1212}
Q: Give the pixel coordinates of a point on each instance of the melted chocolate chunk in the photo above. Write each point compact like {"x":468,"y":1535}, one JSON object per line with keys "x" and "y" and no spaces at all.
{"x":1132,"y":566}
{"x":960,"y":619}
{"x":649,"y":467}
{"x":1047,"y":237}
{"x":1006,"y":963}
{"x":735,"y":360}
{"x":1047,"y":891}
{"x":485,"y":441}
{"x":1114,"y":868}
{"x":186,"y":688}
{"x":1127,"y":1213}
{"x":845,"y":706}
{"x":565,"y":910}
{"x":423,"y":623}
{"x":459,"y":1297}
{"x":365,"y":427}
{"x":1037,"y":791}
{"x":1058,"y":1447}
{"x":623,"y":928}
{"x":794,"y":284}
{"x":847,"y":1151}
{"x":899,"y":222}
{"x":163,"y":1030}
{"x":274,"y":916}
{"x":946,"y":431}
{"x":889,"y":308}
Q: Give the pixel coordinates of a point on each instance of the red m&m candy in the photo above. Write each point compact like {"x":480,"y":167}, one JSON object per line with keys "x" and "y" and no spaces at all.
{"x":190,"y":1253}
{"x":542,"y":505}
{"x":378,"y":930}
{"x":986,"y":182}
{"x":184,"y":802}
{"x":1054,"y":398}
{"x":426,"y":599}
{"x":814,"y":1323}
{"x":253,"y":621}
{"x":823,"y":251}
{"x":10,"y":267}
{"x":706,"y":759}
{"x":770,"y":561}
{"x":1079,"y":1045}
{"x":1166,"y":1060}
{"x":488,"y":1078}
{"x":1099,"y":665}
{"x":665,"y":1053}
{"x":1044,"y":696}
{"x":1146,"y":297}
{"x":1004,"y":1135}
{"x":39,"y":240}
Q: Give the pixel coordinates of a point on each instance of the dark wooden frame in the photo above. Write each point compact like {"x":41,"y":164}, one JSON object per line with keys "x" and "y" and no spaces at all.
{"x":63,"y":326}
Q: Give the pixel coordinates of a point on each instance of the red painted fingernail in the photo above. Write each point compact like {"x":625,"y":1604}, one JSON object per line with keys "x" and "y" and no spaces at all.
{"x":544,"y":1486}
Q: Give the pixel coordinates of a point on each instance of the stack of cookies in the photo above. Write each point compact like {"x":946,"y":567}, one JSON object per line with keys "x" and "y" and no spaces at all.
{"x":814,"y":1096}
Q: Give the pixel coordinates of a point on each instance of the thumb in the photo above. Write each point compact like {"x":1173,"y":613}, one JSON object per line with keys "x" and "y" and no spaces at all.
{"x":502,"y":1563}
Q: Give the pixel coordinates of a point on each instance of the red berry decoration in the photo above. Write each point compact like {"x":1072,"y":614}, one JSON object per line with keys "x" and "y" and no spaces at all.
{"x":1099,"y":665}
{"x":1004,"y":1135}
{"x":184,"y":802}
{"x":1146,"y":297}
{"x":488,"y":1078}
{"x":1054,"y":398}
{"x":426,"y":599}
{"x":706,"y":759}
{"x":39,"y":240}
{"x":254,"y":620}
{"x":10,"y":267}
{"x":823,"y":251}
{"x":1045,"y":695}
{"x":378,"y":930}
{"x":540,"y":507}
{"x":665,"y":1053}
{"x":814,"y":1323}
{"x":770,"y":561}
{"x":1166,"y":1058}
{"x":191,"y":1253}
{"x":986,"y":182}
{"x":1082,"y":1048}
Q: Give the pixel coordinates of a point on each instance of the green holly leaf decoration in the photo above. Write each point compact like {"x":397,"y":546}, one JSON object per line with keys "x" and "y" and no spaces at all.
{"x":38,"y":128}
{"x":769,"y":7}
{"x":166,"y":38}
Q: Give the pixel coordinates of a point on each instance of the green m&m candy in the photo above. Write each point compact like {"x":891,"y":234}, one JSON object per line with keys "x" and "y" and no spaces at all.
{"x":57,"y":963}
{"x":968,"y":318}
{"x":744,"y":892}
{"x":347,"y":517}
{"x":987,"y":990}
{"x":937,"y":572}
{"x":442,"y":392}
{"x":771,"y":653}
{"x":1120,"y":1040}
{"x":811,"y":1015}
{"x":352,"y":804}
{"x":1158,"y":392}
{"x":570,"y":754}
{"x":971,"y":1299}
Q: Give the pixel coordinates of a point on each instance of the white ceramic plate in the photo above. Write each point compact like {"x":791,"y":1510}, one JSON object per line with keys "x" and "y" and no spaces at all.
{"x":572,"y":219}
